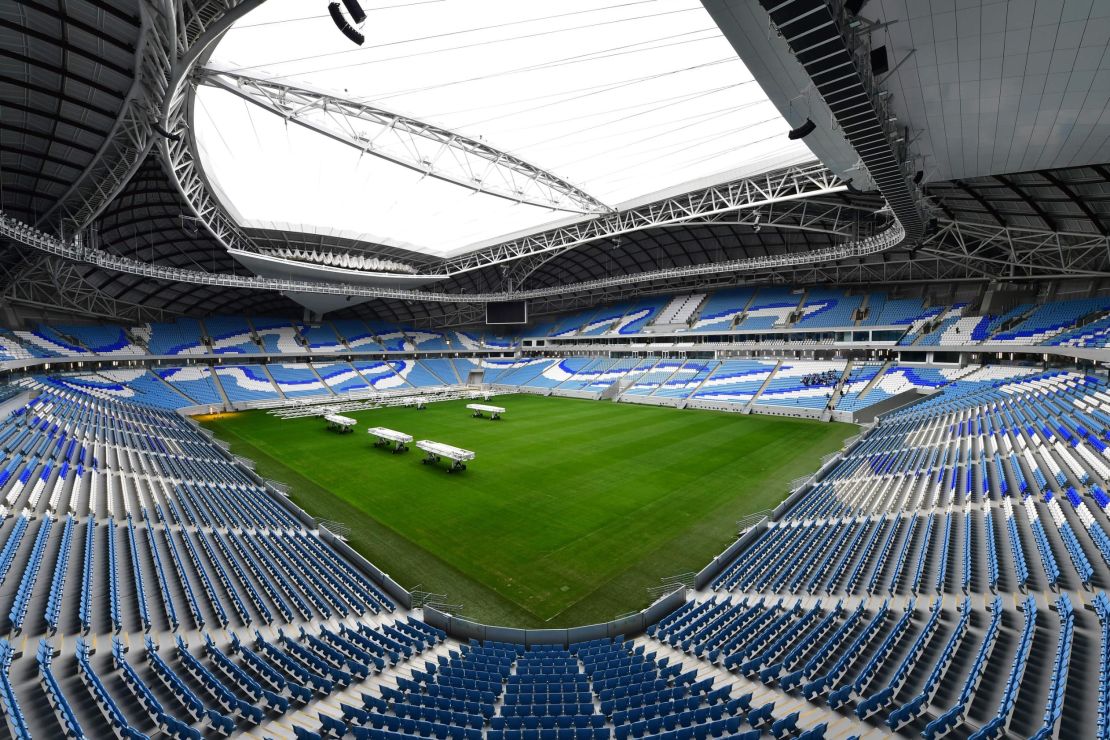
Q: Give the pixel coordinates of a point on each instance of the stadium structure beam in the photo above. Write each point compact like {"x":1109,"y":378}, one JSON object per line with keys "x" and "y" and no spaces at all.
{"x":420,"y":146}
{"x":813,"y":215}
{"x":1025,"y":254}
{"x":131,"y":135}
{"x":82,"y":251}
{"x":1014,"y":252}
{"x":47,"y":282}
{"x":798,"y":182}
{"x":787,"y":184}
{"x":201,"y":24}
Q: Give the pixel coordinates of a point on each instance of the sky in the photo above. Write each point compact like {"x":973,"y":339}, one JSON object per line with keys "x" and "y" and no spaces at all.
{"x":620,"y":98}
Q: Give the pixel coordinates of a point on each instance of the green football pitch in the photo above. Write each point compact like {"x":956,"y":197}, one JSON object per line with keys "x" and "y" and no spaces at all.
{"x":570,"y":511}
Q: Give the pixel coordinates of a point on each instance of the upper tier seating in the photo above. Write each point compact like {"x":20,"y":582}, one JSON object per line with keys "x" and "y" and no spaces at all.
{"x":321,"y":338}
{"x":771,"y":308}
{"x":721,"y":309}
{"x":680,"y":309}
{"x":392,"y":338}
{"x":277,"y":335}
{"x":180,"y":337}
{"x":102,"y":339}
{"x":357,"y":335}
{"x":1050,"y":319}
{"x":473,"y":340}
{"x":230,"y":335}
{"x":640,"y":313}
{"x":12,"y":349}
{"x":828,"y":307}
{"x":43,"y":341}
{"x":1093,"y":334}
{"x":885,"y":311}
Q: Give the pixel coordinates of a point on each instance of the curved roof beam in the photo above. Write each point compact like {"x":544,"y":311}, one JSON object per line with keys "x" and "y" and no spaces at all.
{"x":418,"y":145}
{"x":13,"y":229}
{"x":206,"y":22}
{"x":796,"y":183}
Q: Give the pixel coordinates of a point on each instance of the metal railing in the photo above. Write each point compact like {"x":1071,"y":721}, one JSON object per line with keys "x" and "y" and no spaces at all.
{"x":667,"y":584}
{"x":751,"y":520}
{"x":420,"y":598}
{"x":799,"y":482}
{"x":339,"y":529}
{"x":78,"y":251}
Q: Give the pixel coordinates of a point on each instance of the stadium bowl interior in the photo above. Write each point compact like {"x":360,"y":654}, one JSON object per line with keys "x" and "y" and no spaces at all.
{"x":743,"y":365}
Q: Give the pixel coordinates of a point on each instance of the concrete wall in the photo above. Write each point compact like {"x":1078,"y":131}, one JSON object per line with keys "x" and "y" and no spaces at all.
{"x":393,"y":589}
{"x":651,"y":400}
{"x":715,"y":566}
{"x":719,"y":563}
{"x":903,"y":399}
{"x":633,"y":624}
{"x":588,"y":395}
{"x":767,"y":409}
{"x":382,"y":579}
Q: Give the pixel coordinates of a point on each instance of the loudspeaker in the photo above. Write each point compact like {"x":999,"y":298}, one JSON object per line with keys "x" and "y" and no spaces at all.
{"x":880,"y":63}
{"x":854,"y":6}
{"x":358,"y":15}
{"x":802,"y":131}
{"x":918,"y":177}
{"x":342,"y":24}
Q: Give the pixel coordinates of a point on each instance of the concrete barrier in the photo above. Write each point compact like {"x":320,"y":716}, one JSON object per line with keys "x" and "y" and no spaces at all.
{"x":715,"y":566}
{"x":629,"y":626}
{"x":393,"y":589}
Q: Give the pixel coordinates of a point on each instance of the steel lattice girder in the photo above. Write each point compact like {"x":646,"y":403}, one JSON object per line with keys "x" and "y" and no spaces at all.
{"x":1020,"y":252}
{"x":808,"y":215}
{"x":47,"y":281}
{"x":82,"y":252}
{"x":201,"y":24}
{"x":420,"y":146}
{"x":750,"y":193}
{"x":1070,"y":255}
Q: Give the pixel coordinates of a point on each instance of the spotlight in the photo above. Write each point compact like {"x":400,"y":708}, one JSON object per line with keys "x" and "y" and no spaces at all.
{"x":342,"y":24}
{"x":918,"y":177}
{"x":802,"y":131}
{"x":358,"y":15}
{"x":854,"y":6}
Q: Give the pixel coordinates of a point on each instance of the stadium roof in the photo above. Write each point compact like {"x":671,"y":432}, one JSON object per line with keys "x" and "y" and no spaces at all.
{"x":620,"y":99}
{"x":74,"y":72}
